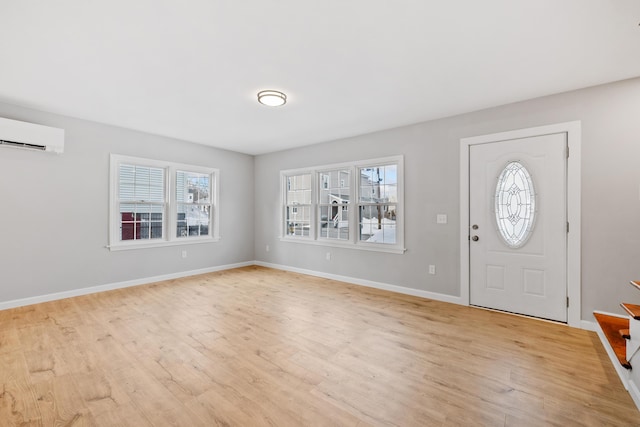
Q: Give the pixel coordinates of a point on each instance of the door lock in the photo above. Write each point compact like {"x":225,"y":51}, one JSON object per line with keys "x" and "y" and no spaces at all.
{"x":474,"y":226}
{"x":475,"y":238}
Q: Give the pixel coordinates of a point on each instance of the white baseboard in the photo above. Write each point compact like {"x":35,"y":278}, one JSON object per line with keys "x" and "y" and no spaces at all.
{"x":368,"y":283}
{"x":118,"y":285}
{"x":585,"y":324}
{"x":588,"y":325}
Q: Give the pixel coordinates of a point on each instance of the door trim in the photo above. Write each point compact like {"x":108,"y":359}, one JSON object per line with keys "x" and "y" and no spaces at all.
{"x":574,"y":141}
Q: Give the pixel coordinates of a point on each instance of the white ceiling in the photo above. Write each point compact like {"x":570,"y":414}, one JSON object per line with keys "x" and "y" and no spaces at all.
{"x":191,"y":69}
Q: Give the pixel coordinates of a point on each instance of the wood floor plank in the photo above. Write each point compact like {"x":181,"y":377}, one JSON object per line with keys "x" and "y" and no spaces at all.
{"x":9,"y":341}
{"x":124,"y":416}
{"x":18,"y":405}
{"x":263,"y":347}
{"x":60,"y":403}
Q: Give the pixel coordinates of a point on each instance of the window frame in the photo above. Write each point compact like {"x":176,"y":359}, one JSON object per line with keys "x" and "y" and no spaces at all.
{"x":353,"y":242}
{"x":295,"y":207}
{"x":375,"y":202}
{"x":170,"y":216}
{"x":164,"y":204}
{"x":329,"y":206}
{"x":210,"y":204}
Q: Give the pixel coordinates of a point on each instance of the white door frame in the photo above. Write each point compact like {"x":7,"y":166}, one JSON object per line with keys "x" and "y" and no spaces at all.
{"x":574,"y":140}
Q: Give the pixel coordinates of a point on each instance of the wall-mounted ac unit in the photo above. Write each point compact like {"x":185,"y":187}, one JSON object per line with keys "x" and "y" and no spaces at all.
{"x":14,"y":133}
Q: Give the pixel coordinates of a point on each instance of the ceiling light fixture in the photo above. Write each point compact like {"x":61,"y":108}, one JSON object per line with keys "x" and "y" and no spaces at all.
{"x":272,"y":98}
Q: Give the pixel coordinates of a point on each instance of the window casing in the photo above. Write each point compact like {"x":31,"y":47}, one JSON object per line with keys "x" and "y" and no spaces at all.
{"x":158,"y":203}
{"x":357,"y":205}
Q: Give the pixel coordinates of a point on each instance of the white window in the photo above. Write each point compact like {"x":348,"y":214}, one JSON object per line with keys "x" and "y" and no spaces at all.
{"x":356,"y":205}
{"x":156,"y":203}
{"x":193,"y":202}
{"x":297,"y":218}
{"x":333,"y":204}
{"x":141,"y":202}
{"x":378,"y":203}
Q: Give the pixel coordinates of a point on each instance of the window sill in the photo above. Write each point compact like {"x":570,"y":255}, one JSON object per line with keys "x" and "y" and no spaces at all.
{"x":371,"y":247}
{"x":161,"y":244}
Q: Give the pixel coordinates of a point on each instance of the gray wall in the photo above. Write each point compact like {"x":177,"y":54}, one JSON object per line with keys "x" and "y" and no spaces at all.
{"x":610,"y":116}
{"x":54,"y":210}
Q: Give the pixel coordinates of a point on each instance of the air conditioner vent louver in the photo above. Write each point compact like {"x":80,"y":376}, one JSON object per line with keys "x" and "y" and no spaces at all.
{"x":30,"y":136}
{"x":23,"y":145}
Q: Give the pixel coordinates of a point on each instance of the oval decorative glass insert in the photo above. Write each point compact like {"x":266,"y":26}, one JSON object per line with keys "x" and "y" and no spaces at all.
{"x":515,"y":204}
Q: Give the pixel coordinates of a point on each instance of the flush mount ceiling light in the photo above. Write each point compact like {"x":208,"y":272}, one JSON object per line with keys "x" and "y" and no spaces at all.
{"x":272,"y":98}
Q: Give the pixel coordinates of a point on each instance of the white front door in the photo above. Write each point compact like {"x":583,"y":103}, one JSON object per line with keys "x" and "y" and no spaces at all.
{"x":518,"y":226}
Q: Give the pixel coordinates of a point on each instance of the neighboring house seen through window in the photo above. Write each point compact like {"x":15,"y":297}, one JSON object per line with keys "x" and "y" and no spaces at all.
{"x":334,"y":205}
{"x":378,"y":203}
{"x":141,"y":202}
{"x":298,"y":205}
{"x":357,"y":205}
{"x":193,"y":199}
{"x":156,"y":203}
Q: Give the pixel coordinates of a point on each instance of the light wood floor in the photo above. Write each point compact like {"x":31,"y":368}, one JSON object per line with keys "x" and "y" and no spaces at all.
{"x":261,"y":347}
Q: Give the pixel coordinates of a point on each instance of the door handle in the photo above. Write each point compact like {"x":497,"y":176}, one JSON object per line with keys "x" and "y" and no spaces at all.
{"x":475,"y":238}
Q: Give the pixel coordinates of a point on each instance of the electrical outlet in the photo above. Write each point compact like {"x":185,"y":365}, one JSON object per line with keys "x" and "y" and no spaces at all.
{"x":328,"y":256}
{"x":441,"y":219}
{"x":267,"y":248}
{"x":432,"y":269}
{"x":184,"y":254}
